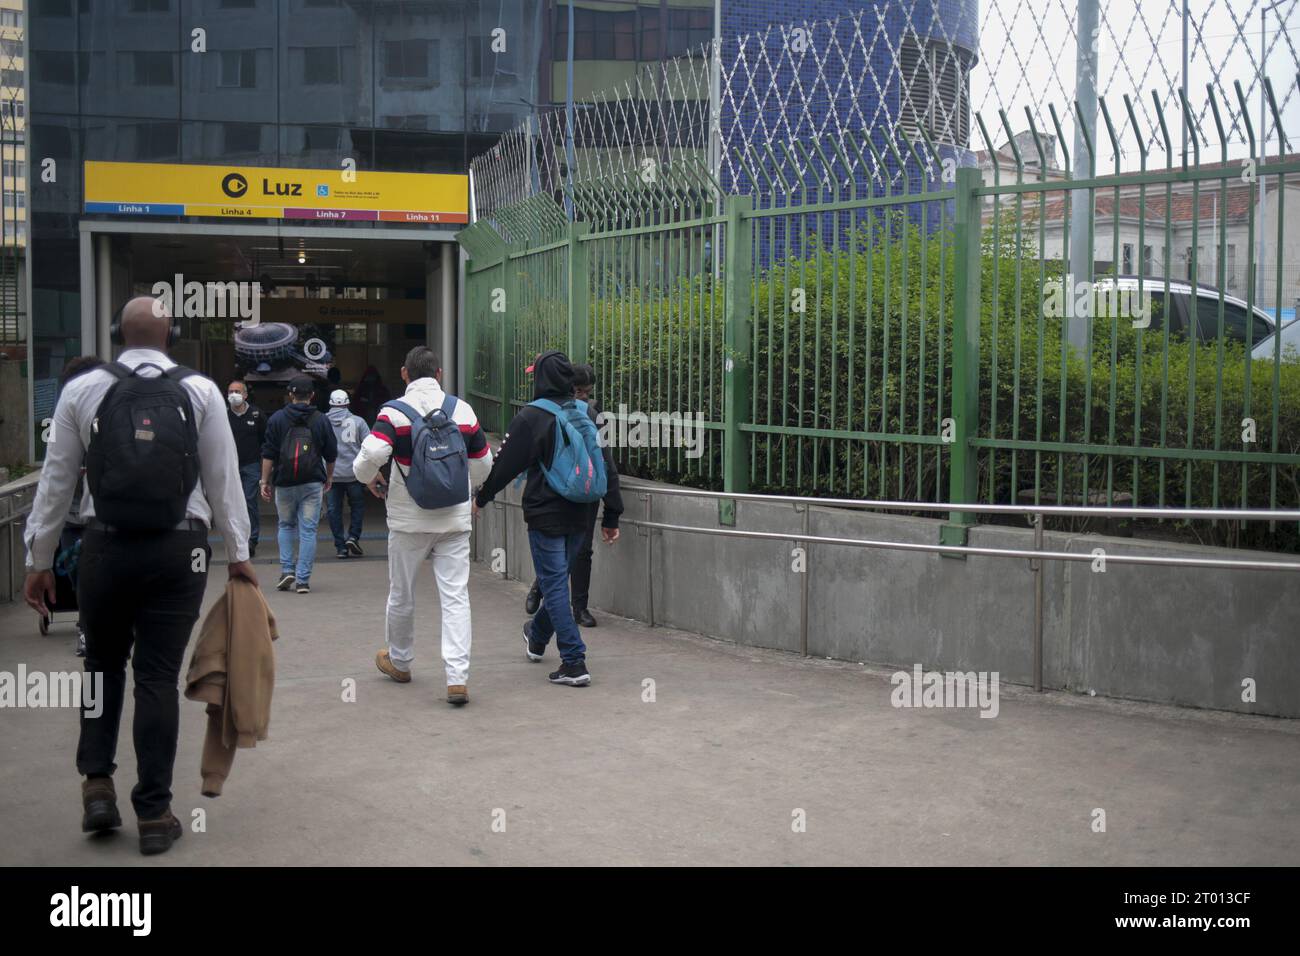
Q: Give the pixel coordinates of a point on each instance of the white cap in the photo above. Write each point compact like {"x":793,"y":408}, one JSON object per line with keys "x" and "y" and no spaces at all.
{"x":338,"y":398}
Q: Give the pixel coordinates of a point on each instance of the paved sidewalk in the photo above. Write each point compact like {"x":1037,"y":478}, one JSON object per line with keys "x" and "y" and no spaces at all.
{"x":711,"y":772}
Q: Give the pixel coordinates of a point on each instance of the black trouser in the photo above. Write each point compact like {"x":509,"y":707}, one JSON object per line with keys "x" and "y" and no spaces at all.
{"x":580,"y":574}
{"x":143,"y":590}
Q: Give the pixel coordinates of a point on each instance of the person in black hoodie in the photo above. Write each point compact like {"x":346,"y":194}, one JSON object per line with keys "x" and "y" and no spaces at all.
{"x":584,"y":383}
{"x":298,"y":452}
{"x":557,"y":527}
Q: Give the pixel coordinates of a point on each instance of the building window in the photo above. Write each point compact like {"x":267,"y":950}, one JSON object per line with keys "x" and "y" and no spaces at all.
{"x":14,"y":18}
{"x":1127,"y":267}
{"x":321,"y":66}
{"x":934,"y":91}
{"x":1148,"y":262}
{"x":597,"y":34}
{"x":420,"y":121}
{"x":238,"y":69}
{"x":153,"y":68}
{"x":156,"y":141}
{"x":409,"y":59}
{"x":241,"y":137}
{"x":54,"y":68}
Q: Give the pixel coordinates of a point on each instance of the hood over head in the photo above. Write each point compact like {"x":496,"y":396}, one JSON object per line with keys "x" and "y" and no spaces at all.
{"x":553,"y":376}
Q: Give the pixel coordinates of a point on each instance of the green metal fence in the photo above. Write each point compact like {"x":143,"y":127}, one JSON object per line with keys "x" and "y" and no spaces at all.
{"x":834,"y":334}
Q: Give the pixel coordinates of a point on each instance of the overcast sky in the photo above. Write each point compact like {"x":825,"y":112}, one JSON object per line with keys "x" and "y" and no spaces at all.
{"x":1139,"y":49}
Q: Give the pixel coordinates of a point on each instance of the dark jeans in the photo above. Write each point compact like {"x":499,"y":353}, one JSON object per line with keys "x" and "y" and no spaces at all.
{"x":250,"y":476}
{"x":355,"y":492}
{"x":139,"y":596}
{"x":553,"y":557}
{"x":580,"y":573}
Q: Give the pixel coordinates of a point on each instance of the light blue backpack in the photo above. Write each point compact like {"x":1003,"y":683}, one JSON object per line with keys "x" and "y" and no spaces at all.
{"x":577,"y":468}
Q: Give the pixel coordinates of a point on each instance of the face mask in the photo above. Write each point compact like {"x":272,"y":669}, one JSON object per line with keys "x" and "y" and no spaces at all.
{"x":235,"y":399}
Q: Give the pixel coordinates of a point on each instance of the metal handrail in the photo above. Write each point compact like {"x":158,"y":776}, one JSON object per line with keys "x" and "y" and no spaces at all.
{"x":1219,"y":514}
{"x":1036,"y":556}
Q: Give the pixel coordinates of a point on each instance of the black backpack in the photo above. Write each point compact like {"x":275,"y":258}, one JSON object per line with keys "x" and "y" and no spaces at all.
{"x":300,"y":458}
{"x":143,"y":459}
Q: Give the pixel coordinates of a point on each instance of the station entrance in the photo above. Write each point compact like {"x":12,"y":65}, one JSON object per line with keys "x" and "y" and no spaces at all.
{"x":266,"y":304}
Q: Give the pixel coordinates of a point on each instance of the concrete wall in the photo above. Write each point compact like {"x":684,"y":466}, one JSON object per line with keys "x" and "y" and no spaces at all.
{"x":1185,"y":636}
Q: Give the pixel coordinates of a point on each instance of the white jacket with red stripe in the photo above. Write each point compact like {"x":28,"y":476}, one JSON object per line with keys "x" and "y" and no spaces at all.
{"x":391,"y":438}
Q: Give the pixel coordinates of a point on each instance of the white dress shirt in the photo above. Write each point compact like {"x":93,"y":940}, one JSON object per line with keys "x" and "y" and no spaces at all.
{"x":217,"y":500}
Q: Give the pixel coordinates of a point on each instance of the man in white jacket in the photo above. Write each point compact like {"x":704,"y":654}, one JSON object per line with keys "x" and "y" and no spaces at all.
{"x":414,"y":532}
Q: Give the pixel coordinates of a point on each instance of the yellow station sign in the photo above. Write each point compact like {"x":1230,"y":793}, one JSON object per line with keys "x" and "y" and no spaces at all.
{"x":265,"y":192}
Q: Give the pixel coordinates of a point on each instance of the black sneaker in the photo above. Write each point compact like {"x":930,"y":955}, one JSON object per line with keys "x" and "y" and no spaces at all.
{"x":341,"y":553}
{"x":352,"y":546}
{"x":575,"y":675}
{"x":534,"y":649}
{"x":303,"y":588}
{"x":583,"y":617}
{"x":286,"y":582}
{"x":533,"y":601}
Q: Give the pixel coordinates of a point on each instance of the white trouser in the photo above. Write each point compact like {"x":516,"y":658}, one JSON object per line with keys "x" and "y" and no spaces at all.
{"x":406,"y":551}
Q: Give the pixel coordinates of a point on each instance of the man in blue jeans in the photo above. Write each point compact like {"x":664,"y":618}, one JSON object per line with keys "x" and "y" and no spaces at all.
{"x":298,"y":453}
{"x":557,"y":527}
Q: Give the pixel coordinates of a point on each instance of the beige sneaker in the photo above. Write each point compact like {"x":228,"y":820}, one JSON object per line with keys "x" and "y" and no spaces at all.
{"x":457,"y":694}
{"x":385,"y":664}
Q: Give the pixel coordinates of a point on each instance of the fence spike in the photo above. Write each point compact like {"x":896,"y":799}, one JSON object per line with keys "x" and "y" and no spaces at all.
{"x":1218,"y":122}
{"x":1038,"y":145}
{"x":1137,"y":135}
{"x":1060,"y":138}
{"x":1245,"y":116}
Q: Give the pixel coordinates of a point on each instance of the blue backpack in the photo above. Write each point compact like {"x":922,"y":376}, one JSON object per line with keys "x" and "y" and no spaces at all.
{"x":577,"y":468}
{"x":439,"y":473}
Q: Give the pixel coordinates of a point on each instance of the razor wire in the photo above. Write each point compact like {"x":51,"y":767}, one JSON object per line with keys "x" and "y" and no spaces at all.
{"x":906,"y":80}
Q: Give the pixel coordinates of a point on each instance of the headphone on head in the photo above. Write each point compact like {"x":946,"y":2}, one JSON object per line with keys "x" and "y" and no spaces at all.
{"x":115,"y":329}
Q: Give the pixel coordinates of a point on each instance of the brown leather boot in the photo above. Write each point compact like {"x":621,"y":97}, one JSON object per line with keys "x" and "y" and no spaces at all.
{"x":99,"y":805}
{"x":457,"y":695}
{"x":157,"y":836}
{"x":385,"y":664}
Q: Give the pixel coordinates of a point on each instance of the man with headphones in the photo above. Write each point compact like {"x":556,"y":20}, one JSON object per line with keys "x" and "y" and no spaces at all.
{"x":161,"y":472}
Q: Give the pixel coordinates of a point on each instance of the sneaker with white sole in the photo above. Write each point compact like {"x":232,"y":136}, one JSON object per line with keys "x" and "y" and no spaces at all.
{"x":534,"y":649}
{"x":352,"y":545}
{"x":303,"y":588}
{"x":574,"y":675}
{"x":286,"y":582}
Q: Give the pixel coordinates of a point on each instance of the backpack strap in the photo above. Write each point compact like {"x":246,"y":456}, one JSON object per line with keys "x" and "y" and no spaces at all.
{"x":177,"y":372}
{"x":118,"y":370}
{"x":411,"y":414}
{"x":546,"y":405}
{"x":449,"y":406}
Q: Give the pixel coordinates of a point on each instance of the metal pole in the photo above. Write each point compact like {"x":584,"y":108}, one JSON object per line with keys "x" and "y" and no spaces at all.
{"x":803,"y":590}
{"x":1037,"y":565}
{"x":568,"y":121}
{"x":1085,"y":94}
{"x":1186,"y":61}
{"x":649,"y":560}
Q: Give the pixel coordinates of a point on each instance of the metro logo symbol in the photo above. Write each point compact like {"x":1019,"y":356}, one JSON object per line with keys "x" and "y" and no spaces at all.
{"x":234,"y":185}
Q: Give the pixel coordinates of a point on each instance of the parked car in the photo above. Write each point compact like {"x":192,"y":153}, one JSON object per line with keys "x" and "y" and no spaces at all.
{"x":1290,"y":344}
{"x":1188,"y":307}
